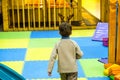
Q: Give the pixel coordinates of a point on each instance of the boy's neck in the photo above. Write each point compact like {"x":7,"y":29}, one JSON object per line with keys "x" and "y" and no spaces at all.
{"x":65,"y":37}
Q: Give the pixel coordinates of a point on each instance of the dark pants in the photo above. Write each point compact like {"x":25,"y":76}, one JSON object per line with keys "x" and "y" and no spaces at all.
{"x":69,"y":76}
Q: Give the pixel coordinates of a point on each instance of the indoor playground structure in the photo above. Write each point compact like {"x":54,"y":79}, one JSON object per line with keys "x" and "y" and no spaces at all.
{"x":30,"y":30}
{"x":43,"y":14}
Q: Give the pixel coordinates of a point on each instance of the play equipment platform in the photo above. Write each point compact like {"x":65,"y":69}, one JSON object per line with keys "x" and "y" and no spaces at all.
{"x":7,"y":73}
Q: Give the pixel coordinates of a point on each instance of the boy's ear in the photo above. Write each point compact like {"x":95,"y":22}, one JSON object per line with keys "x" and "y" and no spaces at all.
{"x":69,"y":17}
{"x":61,"y":16}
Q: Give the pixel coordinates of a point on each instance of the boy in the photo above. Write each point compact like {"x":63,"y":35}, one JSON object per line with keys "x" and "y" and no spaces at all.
{"x":68,"y":52}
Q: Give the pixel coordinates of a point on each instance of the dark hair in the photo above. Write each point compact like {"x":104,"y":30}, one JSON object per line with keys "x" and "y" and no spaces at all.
{"x":65,"y":29}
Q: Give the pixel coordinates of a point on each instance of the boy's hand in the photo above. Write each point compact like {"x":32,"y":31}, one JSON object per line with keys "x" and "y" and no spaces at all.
{"x":49,"y":73}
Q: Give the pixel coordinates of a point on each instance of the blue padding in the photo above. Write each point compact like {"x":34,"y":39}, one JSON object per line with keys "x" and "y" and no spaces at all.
{"x":39,"y":68}
{"x":94,"y":51}
{"x":44,"y":34}
{"x":12,"y":54}
{"x":7,"y":73}
{"x":86,"y":41}
{"x":98,"y":78}
{"x":91,"y":49}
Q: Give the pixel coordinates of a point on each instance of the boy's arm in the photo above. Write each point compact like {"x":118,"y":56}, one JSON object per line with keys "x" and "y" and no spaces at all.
{"x":79,"y":52}
{"x":52,"y":60}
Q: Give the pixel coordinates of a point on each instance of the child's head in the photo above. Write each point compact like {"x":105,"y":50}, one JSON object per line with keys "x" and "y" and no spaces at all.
{"x":65,"y":29}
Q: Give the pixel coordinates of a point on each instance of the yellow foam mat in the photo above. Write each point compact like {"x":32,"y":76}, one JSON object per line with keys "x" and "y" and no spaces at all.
{"x":82,"y":33}
{"x":14,"y":43}
{"x":15,"y":65}
{"x":38,"y":54}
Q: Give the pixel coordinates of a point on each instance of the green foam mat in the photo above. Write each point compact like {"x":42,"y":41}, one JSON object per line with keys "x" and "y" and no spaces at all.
{"x":14,"y":35}
{"x":44,"y":42}
{"x":92,"y":68}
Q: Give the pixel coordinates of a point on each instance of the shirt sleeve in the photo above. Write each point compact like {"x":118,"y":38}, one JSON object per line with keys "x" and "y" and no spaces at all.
{"x":52,"y":59}
{"x":79,"y":52}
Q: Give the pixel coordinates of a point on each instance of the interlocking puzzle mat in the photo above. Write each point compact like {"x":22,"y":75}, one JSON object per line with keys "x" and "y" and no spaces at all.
{"x":28,"y":54}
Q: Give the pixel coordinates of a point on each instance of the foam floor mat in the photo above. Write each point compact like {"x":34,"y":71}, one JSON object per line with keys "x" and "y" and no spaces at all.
{"x":28,"y":54}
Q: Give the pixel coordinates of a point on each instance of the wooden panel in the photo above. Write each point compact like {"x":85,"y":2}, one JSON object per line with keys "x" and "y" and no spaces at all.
{"x":118,"y":37}
{"x":5,"y":15}
{"x":79,"y":10}
{"x":13,"y":15}
{"x":104,"y":10}
{"x":112,"y":31}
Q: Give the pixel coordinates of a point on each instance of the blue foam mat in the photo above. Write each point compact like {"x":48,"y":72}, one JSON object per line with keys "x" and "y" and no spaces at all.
{"x":86,"y":41}
{"x":10,"y":54}
{"x":47,"y":34}
{"x":94,"y":51}
{"x":40,"y":70}
{"x":99,"y":78}
{"x":91,"y":49}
